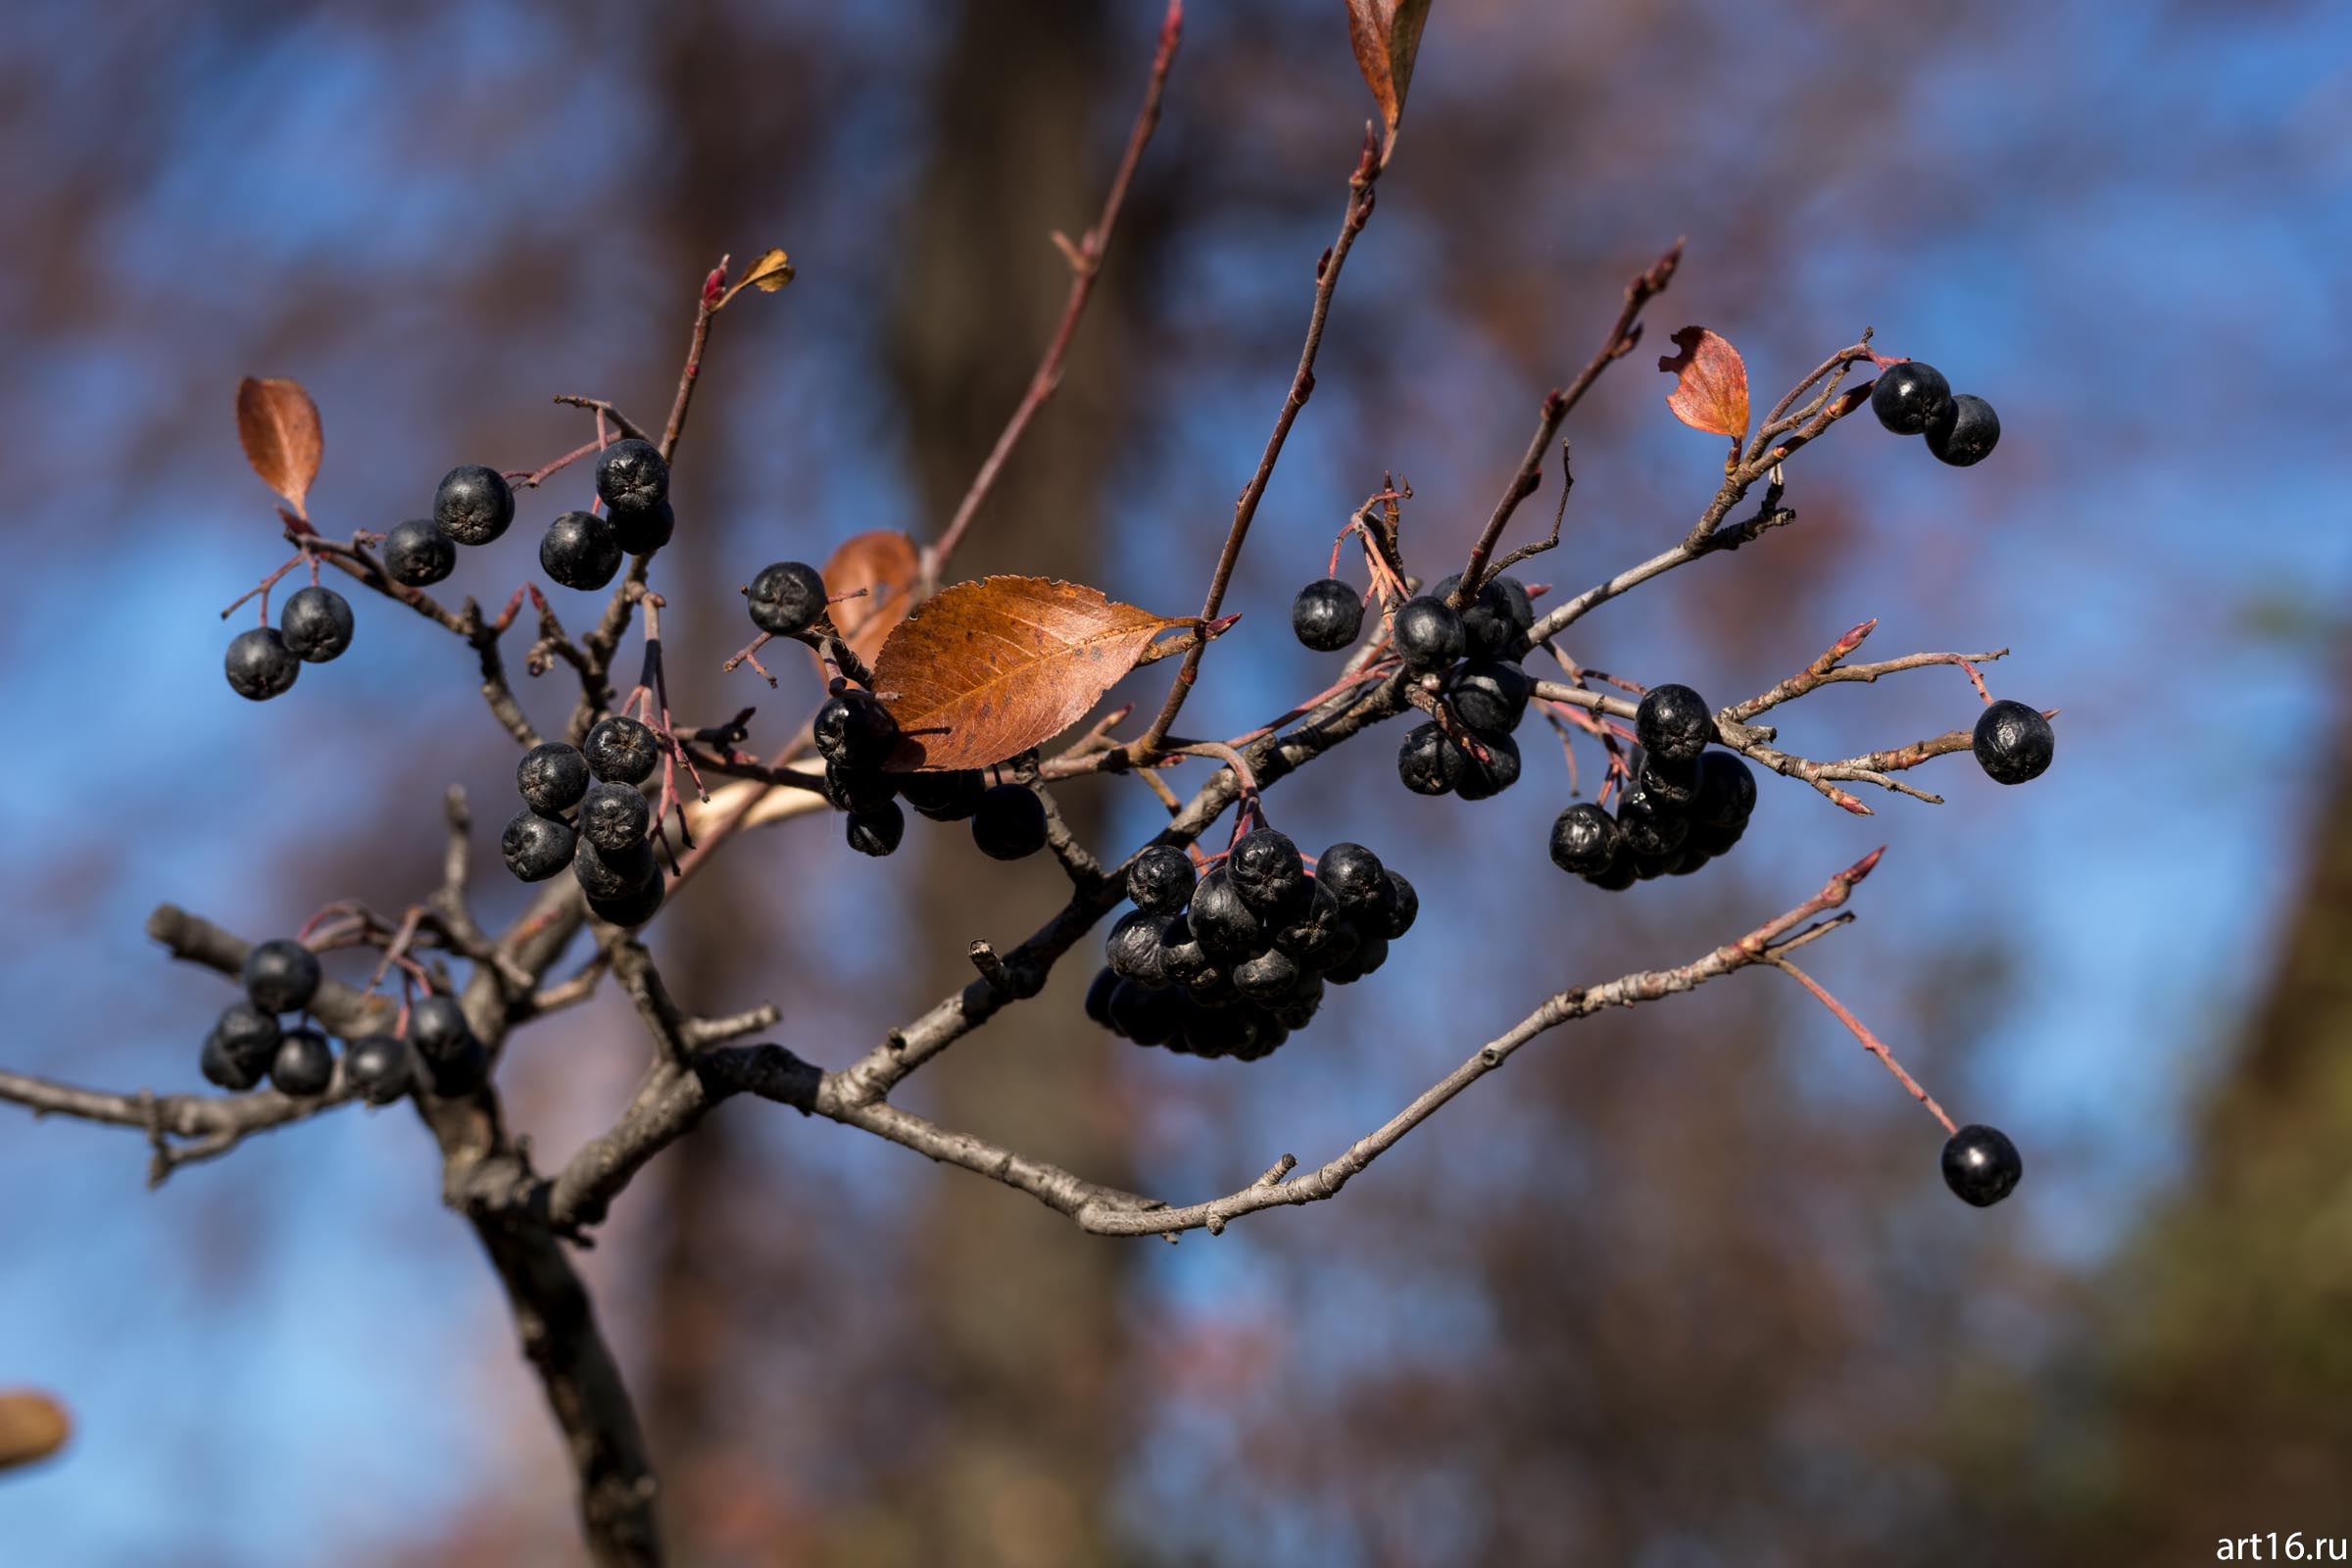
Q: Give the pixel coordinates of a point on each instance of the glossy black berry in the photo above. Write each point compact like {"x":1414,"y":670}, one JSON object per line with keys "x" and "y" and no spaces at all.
{"x":1672,"y":784}
{"x":1183,"y":961}
{"x":1320,"y":934}
{"x":1404,"y":907}
{"x":222,"y":1070}
{"x":1584,"y":840}
{"x":1009,"y":822}
{"x":1369,"y":955}
{"x":248,"y":1037}
{"x":1429,"y":634}
{"x":1909,"y":397}
{"x":437,"y":1027}
{"x":1651,"y":831}
{"x":1135,"y":947}
{"x":628,"y":909}
{"x":1980,"y":1165}
{"x":580,"y":550}
{"x":303,"y":1064}
{"x":1421,"y":760}
{"x":615,"y":816}
{"x":949,"y":797}
{"x":1620,"y":875}
{"x":1225,"y":926}
{"x":1327,"y":616}
{"x":1489,"y":695}
{"x":260,"y":666}
{"x":853,"y":728}
{"x":1966,"y":432}
{"x":377,"y":1068}
{"x":1266,"y":872}
{"x":603,"y":874}
{"x":631,"y":476}
{"x":1098,"y":996}
{"x":552,"y":777}
{"x":1716,"y":842}
{"x":1161,"y":879}
{"x":877,"y":829}
{"x":859,"y":789}
{"x":1297,"y":1008}
{"x":1521,"y":610}
{"x":1353,"y":876}
{"x":418,"y":554}
{"x":1478,"y":780}
{"x":2013,"y":743}
{"x":1489,"y":629}
{"x":1143,"y":1015}
{"x":282,"y":975}
{"x":460,"y":1074}
{"x":786,"y":598}
{"x":641,"y":533}
{"x":1266,"y":976}
{"x":1215,"y":1032}
{"x":1674,"y":722}
{"x":1727,"y":792}
{"x":621,"y":751}
{"x":316,"y":623}
{"x":473,"y":505}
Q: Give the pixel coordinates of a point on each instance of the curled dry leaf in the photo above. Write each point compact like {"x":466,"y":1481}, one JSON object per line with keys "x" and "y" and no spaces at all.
{"x":32,"y":1426}
{"x":767,"y":275}
{"x":988,"y":670}
{"x":1386,"y":35}
{"x":1710,"y":388}
{"x":278,"y":426}
{"x":886,"y":564}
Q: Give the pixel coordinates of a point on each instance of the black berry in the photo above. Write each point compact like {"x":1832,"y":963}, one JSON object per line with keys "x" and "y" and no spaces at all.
{"x":282,"y":975}
{"x":1966,"y":432}
{"x":1009,"y":822}
{"x":377,"y":1068}
{"x":611,"y":876}
{"x":1161,"y":879}
{"x":248,"y":1037}
{"x":631,"y":476}
{"x":1266,"y":872}
{"x":1369,"y":955}
{"x":1145,"y":1017}
{"x":1909,"y":397}
{"x":1727,"y":794}
{"x":2013,"y":743}
{"x":859,"y":789}
{"x":259,"y":664}
{"x":1674,"y":722}
{"x":949,"y":797}
{"x":1584,"y":840}
{"x":1421,"y":760}
{"x":1476,"y":780}
{"x":1135,"y":946}
{"x":537,"y":847}
{"x":1183,"y":961}
{"x":1651,"y":831}
{"x":1429,"y":634}
{"x":853,"y":728}
{"x":786,"y":598}
{"x":1489,"y":695}
{"x":437,"y":1027}
{"x":1521,"y":609}
{"x":580,"y":550}
{"x":877,"y":829}
{"x":418,"y":554}
{"x":1489,"y":627}
{"x":316,"y":623}
{"x":1327,"y":616}
{"x":1404,"y":907}
{"x":1674,"y":784}
{"x":1319,"y":936}
{"x":473,"y":505}
{"x":629,"y":909}
{"x":621,"y":751}
{"x":1266,"y":976}
{"x":615,"y":816}
{"x":641,"y":533}
{"x":303,"y":1064}
{"x":1098,"y":996}
{"x":1980,"y":1165}
{"x":552,"y":777}
{"x":219,"y":1069}
{"x":1353,"y":876}
{"x":1223,"y":925}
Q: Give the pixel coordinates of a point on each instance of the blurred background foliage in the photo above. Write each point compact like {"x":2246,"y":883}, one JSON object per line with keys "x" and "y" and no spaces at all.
{"x":1687,"y":1290}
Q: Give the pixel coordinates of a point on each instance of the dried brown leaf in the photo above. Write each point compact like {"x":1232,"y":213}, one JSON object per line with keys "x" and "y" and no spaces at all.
{"x":886,"y":564}
{"x":1710,"y":388}
{"x":988,"y":670}
{"x":279,"y":424}
{"x":32,"y":1426}
{"x":1386,"y":35}
{"x":767,"y":275}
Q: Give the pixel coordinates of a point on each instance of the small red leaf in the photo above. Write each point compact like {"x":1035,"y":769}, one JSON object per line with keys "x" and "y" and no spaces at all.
{"x":988,"y":670}
{"x":278,"y":426}
{"x":1710,"y":390}
{"x":884,"y":563}
{"x":1386,"y":35}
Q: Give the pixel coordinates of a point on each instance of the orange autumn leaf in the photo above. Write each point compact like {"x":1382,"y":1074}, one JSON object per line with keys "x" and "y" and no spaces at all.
{"x":1710,"y":387}
{"x":278,"y":426}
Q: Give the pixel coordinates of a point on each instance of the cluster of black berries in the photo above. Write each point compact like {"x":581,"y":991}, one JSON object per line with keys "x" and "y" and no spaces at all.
{"x":314,"y":626}
{"x":1914,"y":398}
{"x":1229,"y":964}
{"x":1685,"y":805}
{"x":583,"y":549}
{"x":474,"y":505}
{"x":856,"y":735}
{"x":585,"y":808}
{"x":1475,"y":650}
{"x":251,"y":1041}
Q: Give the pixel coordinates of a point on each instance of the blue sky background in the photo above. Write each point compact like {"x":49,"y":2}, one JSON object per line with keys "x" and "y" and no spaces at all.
{"x":2124,"y":225}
